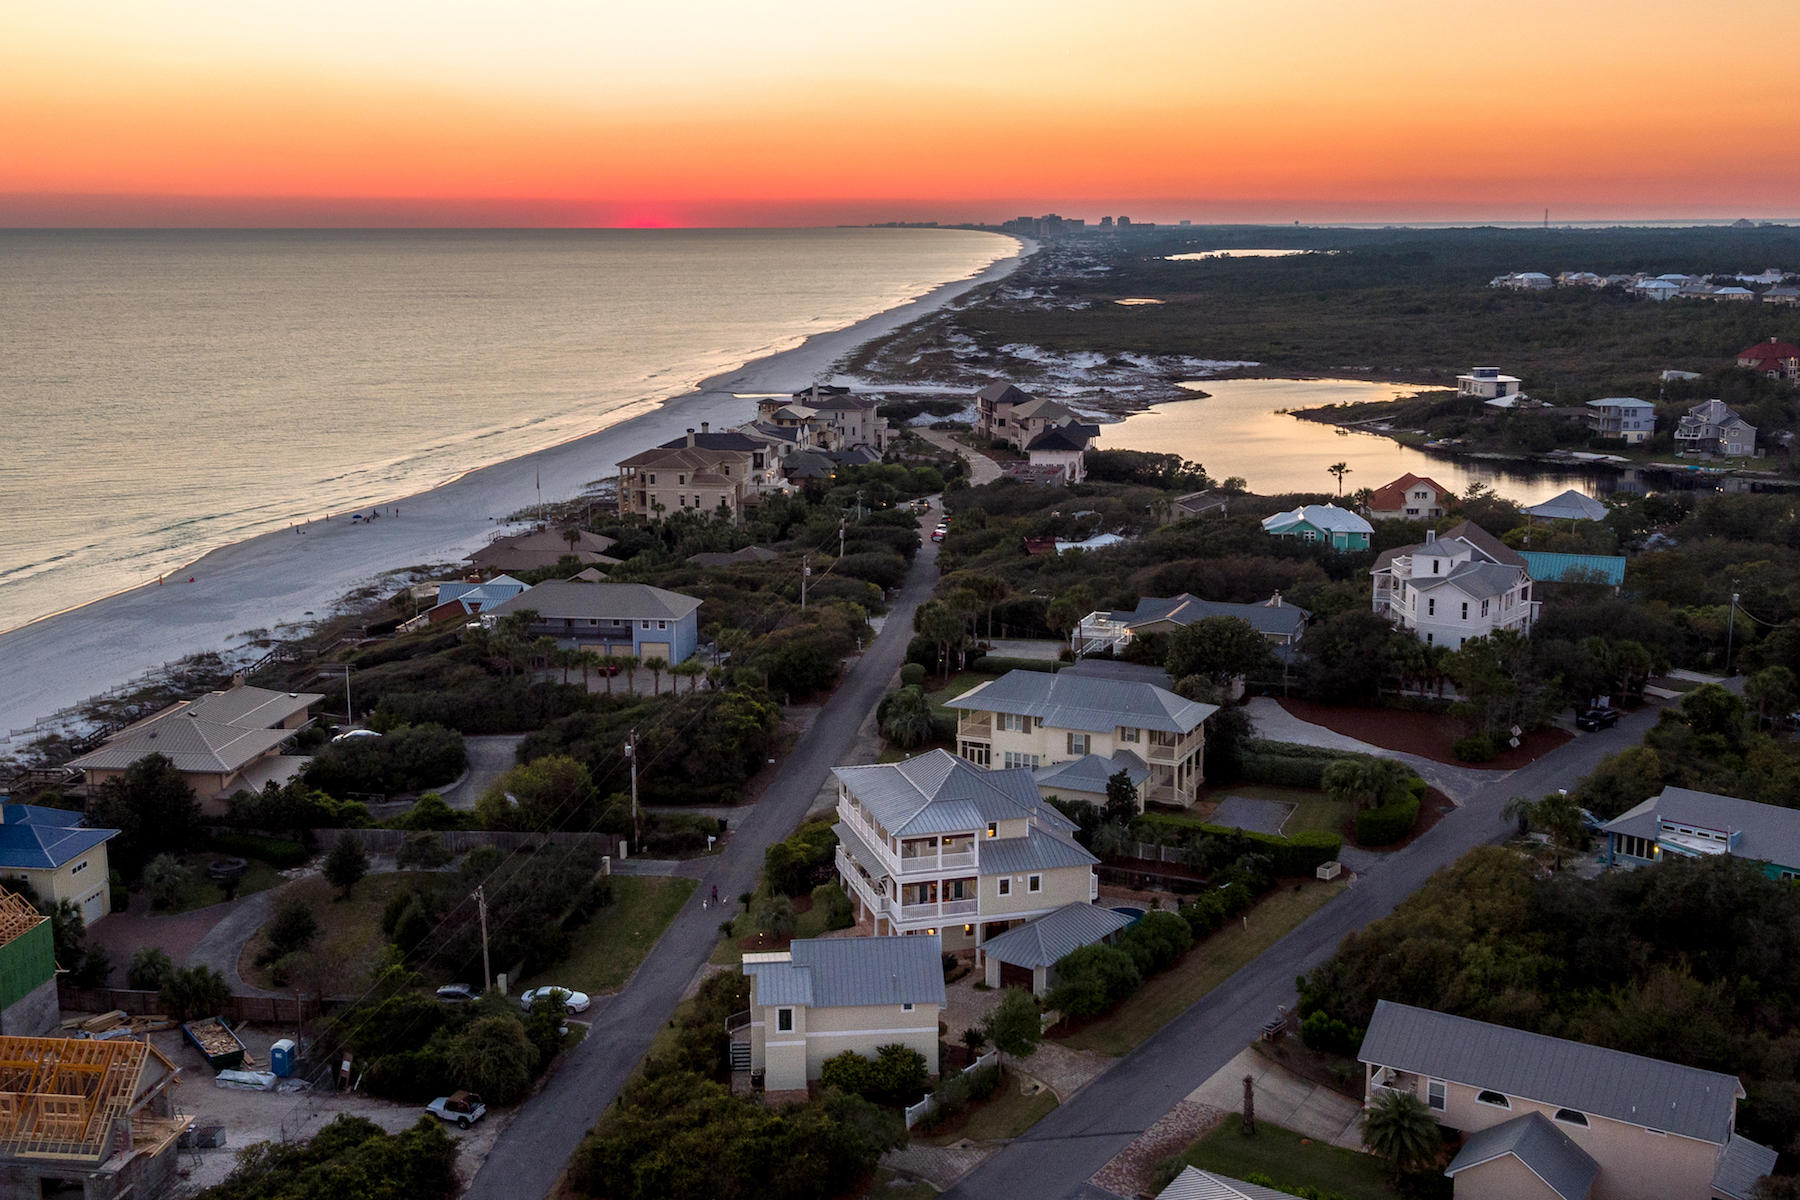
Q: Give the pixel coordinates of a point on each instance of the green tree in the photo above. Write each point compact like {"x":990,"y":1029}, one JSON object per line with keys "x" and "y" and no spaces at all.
{"x":1557,"y":815}
{"x":1771,"y":693}
{"x":1368,"y":782}
{"x":194,"y":992}
{"x":150,"y":969}
{"x":346,"y":864}
{"x":1621,"y":781}
{"x":907,"y":723}
{"x":164,"y":878}
{"x":552,"y":792}
{"x":774,"y":916}
{"x":1121,"y":797}
{"x":494,"y":1058}
{"x":691,"y":670}
{"x":1219,"y":648}
{"x":656,"y":665}
{"x":1339,"y":469}
{"x":1013,"y":1025}
{"x":1399,"y":1128}
{"x":152,"y":807}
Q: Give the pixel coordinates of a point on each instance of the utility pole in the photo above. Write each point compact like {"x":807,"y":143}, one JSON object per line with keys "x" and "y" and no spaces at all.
{"x":840,"y":537}
{"x":805,"y":570}
{"x":349,"y":708}
{"x":487,"y":971}
{"x":631,"y":753}
{"x":1730,"y":628}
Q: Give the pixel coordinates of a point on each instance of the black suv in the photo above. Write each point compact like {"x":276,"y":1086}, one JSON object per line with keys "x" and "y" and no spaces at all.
{"x":1597,"y":718}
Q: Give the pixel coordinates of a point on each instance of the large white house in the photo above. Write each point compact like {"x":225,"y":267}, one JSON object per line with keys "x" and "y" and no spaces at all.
{"x":1487,"y":383}
{"x":1446,"y":590}
{"x":1032,"y":719}
{"x":934,"y":845}
{"x":1624,"y":417}
{"x":1711,"y":427}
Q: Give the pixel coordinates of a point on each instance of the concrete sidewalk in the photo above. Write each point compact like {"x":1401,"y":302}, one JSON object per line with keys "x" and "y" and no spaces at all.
{"x":1284,"y":1099}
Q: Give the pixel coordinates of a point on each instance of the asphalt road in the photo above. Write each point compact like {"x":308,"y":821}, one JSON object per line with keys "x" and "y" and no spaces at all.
{"x":531,"y":1154}
{"x":1054,"y":1159}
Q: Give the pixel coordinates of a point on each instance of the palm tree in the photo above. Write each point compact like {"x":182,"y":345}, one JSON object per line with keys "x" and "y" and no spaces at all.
{"x":1399,"y":1128}
{"x":907,"y":722}
{"x":1557,"y":815}
{"x":656,"y":665}
{"x":689,"y":669}
{"x":1340,"y":469}
{"x":628,"y":663}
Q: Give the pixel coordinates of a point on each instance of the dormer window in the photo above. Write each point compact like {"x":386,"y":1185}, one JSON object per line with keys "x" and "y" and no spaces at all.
{"x":1493,"y":1098}
{"x":993,"y":829}
{"x":1569,"y":1116}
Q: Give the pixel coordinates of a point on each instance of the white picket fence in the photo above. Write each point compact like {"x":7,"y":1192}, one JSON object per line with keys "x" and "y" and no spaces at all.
{"x":929,"y":1103}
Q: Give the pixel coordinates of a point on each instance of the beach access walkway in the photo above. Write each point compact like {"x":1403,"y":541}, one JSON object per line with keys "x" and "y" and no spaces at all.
{"x":529,"y":1157}
{"x":982,"y":469}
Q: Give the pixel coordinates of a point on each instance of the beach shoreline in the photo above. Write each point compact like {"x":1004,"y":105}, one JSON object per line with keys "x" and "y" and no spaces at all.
{"x":290,"y":576}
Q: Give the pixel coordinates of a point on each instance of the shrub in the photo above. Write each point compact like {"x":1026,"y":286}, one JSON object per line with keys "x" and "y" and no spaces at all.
{"x":1323,"y":1032}
{"x":164,"y":878}
{"x":1297,"y":855}
{"x":1092,"y":979}
{"x":193,"y":992}
{"x":422,"y":850}
{"x":1156,"y":941}
{"x":1476,"y":748}
{"x":150,"y":969}
{"x":494,"y":1058}
{"x":277,"y":852}
{"x":912,"y":675}
{"x":794,"y":865}
{"x":293,"y":928}
{"x":849,"y":1072}
{"x":346,"y":864}
{"x":1388,"y":824}
{"x":430,"y":811}
{"x":836,"y":906}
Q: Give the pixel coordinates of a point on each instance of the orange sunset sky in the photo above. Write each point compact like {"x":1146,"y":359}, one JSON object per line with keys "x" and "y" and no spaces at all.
{"x":796,"y":112}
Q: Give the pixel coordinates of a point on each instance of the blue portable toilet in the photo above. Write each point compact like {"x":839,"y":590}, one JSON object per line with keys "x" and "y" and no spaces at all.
{"x":281,"y":1057}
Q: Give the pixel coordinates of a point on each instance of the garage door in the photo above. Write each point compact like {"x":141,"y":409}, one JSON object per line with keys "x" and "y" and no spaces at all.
{"x":1012,"y":976}
{"x":94,"y":907}
{"x":654,"y":650}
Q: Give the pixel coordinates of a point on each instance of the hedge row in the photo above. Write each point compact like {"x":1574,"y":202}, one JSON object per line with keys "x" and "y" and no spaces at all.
{"x":1297,"y":855}
{"x":1388,"y":824}
{"x":998,"y":665}
{"x":277,"y":852}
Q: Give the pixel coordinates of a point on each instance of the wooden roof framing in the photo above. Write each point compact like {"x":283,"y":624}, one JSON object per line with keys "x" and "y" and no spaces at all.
{"x":60,"y":1097}
{"x":17,"y":916}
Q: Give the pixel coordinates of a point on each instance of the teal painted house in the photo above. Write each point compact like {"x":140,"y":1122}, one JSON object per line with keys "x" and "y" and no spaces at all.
{"x":1336,"y":527}
{"x":1682,"y":823}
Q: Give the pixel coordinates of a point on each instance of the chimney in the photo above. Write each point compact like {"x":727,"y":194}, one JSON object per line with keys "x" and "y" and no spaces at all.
{"x":1275,"y":600}
{"x":690,"y":438}
{"x":237,"y":680}
{"x":1430,"y":536}
{"x":705,"y":425}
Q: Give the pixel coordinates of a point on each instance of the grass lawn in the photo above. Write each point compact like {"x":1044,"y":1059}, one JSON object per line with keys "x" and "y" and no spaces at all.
{"x":1210,"y":963}
{"x":885,"y":1185}
{"x":1312,"y":810}
{"x":610,"y":946}
{"x":957,"y":684}
{"x":201,"y":892}
{"x":1280,"y":1155}
{"x":350,"y":930}
{"x":1004,"y":1116}
{"x":744,"y":938}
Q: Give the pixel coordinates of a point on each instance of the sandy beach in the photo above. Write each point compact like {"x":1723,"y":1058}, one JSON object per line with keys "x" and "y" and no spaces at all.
{"x":287,"y":576}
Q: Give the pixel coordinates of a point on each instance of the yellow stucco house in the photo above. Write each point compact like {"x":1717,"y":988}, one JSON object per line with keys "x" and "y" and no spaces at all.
{"x":54,"y":852}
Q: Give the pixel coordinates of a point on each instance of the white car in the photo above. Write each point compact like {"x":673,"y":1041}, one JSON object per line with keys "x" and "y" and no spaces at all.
{"x":464,"y":1108}
{"x":574,"y":1001}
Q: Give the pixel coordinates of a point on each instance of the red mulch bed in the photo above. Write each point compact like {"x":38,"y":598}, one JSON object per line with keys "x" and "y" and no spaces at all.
{"x":1428,"y":735}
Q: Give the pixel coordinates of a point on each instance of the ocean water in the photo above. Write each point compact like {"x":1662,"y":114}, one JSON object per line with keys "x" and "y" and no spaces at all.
{"x":164,"y":393}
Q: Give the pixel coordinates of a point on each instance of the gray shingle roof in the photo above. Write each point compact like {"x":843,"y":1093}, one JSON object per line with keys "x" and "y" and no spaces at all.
{"x":1320,"y":516}
{"x":194,"y":746}
{"x":1090,"y":772}
{"x":1004,"y":393}
{"x":248,"y":707}
{"x":558,"y":599}
{"x":1036,"y":851}
{"x":1743,"y":1163}
{"x":1195,"y":1184}
{"x":1065,"y":701}
{"x":1547,"y":1151}
{"x":1041,"y":942}
{"x":853,"y":972}
{"x":1607,"y":1083}
{"x":1284,"y":620}
{"x":938,"y":792}
{"x":1570,"y":506}
{"x":1764,"y":832}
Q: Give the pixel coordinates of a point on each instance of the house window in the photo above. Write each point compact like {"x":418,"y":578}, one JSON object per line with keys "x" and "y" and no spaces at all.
{"x":1034,"y":883}
{"x":1435,"y":1095}
{"x":1013,"y":759}
{"x":662,"y":624}
{"x":1484,"y":608}
{"x":1078,"y":743}
{"x":1569,"y":1116}
{"x":1005,"y":886}
{"x":681,"y":479}
{"x":993,"y":829}
{"x":1436,"y":566}
{"x":1493,"y":1098}
{"x":646,"y":624}
{"x":681,"y":501}
{"x":1307,"y":535}
{"x":1128,"y":735}
{"x":784,"y":1020}
{"x":1465,"y":610}
{"x":79,"y":867}
{"x":907,"y":1007}
{"x":1431,"y":608}
{"x":653,"y":477}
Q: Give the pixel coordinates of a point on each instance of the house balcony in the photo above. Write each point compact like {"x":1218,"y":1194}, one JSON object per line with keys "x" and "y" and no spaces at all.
{"x":939,"y":910}
{"x":975,"y":725}
{"x":917,"y":864}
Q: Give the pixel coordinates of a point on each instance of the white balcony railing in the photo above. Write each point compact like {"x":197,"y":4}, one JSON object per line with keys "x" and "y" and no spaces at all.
{"x":938,"y":909}
{"x":912,"y":864}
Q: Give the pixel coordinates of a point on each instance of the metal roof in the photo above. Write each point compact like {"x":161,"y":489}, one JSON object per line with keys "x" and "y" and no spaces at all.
{"x":43,"y":839}
{"x":557,"y":599}
{"x":938,"y":792}
{"x":1743,"y":1163}
{"x":1763,"y":832}
{"x":1559,"y":568}
{"x":1036,"y":851}
{"x":1608,"y":1083}
{"x":1042,"y":942}
{"x":1195,"y":1184}
{"x":1282,"y":620}
{"x":1328,"y":517}
{"x":541,"y":548}
{"x":1074,"y":701}
{"x":1570,"y":506}
{"x":852,"y":972}
{"x":1091,"y":772}
{"x":1546,"y":1151}
{"x":1620,"y":402}
{"x":195,"y":747}
{"x":1479,"y":580}
{"x":1004,"y":393}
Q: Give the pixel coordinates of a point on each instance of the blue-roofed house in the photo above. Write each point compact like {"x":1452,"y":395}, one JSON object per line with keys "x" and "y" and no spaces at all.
{"x":1679,"y":822}
{"x":823,"y":996}
{"x":1547,"y":567}
{"x":1032,"y":719}
{"x":1543,"y":1118}
{"x":1326,"y":524}
{"x":936,"y":846}
{"x":467,"y":598}
{"x":55,"y":852}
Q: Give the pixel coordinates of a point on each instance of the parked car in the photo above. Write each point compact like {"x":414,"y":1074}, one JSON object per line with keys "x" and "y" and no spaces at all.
{"x":464,"y":1108}
{"x":352,"y":734}
{"x":458,"y":993}
{"x":572,"y":1000}
{"x":1597,"y":718}
{"x":937,"y":535}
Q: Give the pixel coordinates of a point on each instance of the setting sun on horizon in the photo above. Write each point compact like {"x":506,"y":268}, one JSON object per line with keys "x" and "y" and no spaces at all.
{"x":802,"y":112}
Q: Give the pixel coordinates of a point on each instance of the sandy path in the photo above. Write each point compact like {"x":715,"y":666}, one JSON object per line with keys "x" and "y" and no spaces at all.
{"x":281,"y":577}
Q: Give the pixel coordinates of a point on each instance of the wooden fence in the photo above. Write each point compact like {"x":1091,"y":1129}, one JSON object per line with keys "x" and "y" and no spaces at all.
{"x":263,"y":1010}
{"x":461,"y":841}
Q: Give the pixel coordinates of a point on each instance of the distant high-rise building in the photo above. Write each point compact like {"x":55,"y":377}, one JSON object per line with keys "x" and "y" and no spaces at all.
{"x":1124,"y":222}
{"x":1106,"y":222}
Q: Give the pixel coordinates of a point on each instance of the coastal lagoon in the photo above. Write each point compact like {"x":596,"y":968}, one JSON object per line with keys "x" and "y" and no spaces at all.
{"x":168,"y":393}
{"x":1240,"y":428}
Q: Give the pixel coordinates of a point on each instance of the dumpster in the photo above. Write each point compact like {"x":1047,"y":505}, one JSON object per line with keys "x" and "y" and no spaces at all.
{"x":214,"y":1039}
{"x":281,"y":1057}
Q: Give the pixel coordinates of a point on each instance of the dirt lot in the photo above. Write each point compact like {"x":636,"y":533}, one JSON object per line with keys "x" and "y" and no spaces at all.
{"x":276,"y":1116}
{"x":1428,"y":735}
